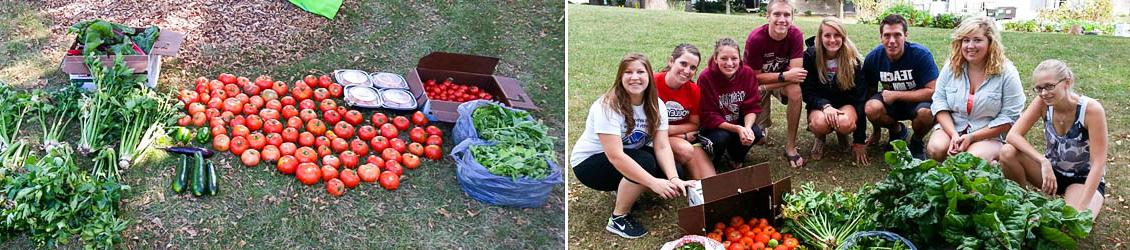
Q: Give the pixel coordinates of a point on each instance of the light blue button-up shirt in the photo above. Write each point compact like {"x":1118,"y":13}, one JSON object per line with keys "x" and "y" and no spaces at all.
{"x":997,"y":102}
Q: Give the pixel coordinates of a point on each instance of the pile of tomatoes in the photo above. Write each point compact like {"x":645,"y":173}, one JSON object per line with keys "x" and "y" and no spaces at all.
{"x":755,"y":234}
{"x":302,"y":131}
{"x":450,"y":91}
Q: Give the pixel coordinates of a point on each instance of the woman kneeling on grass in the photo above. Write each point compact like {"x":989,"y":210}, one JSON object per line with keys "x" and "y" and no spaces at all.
{"x":835,"y":98}
{"x":682,"y":96}
{"x":1074,"y":164}
{"x":612,"y":153}
{"x":730,"y":103}
{"x":978,"y":96}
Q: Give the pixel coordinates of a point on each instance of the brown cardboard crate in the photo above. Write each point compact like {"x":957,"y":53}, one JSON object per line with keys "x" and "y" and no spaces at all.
{"x":748,"y":192}
{"x":168,"y":44}
{"x":464,"y":69}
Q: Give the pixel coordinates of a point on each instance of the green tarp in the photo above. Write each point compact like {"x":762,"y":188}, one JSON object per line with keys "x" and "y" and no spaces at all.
{"x":326,"y":8}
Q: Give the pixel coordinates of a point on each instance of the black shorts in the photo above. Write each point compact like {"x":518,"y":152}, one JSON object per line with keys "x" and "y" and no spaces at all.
{"x":1061,"y":183}
{"x":722,"y":144}
{"x":900,"y":111}
{"x":597,"y":172}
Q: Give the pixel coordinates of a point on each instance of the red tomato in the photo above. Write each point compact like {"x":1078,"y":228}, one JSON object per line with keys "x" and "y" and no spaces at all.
{"x":184,"y":121}
{"x":321,"y":141}
{"x":350,"y":159}
{"x":254,"y":123}
{"x":335,"y":90}
{"x":290,"y":135}
{"x":238,"y":145}
{"x":269,"y":114}
{"x":219,"y":130}
{"x":324,"y":81}
{"x":375,"y":160}
{"x":331,"y":116}
{"x":216,"y":103}
{"x":416,"y":149}
{"x":339,"y":145}
{"x":295,"y":123}
{"x":331,"y":160}
{"x":419,"y":119}
{"x":335,"y":187}
{"x":390,"y":154}
{"x":288,"y":148}
{"x":359,"y":147}
{"x":251,"y":89}
{"x":401,"y":123}
{"x":272,"y":126}
{"x":289,"y":111}
{"x":310,"y":80}
{"x":232,"y":90}
{"x":324,"y":151}
{"x":433,"y":152}
{"x":417,"y":134}
{"x":379,"y":119}
{"x":307,"y":115}
{"x":350,"y":178}
{"x":227,"y":78}
{"x":288,"y":100}
{"x":270,"y":153}
{"x":240,"y":130}
{"x":411,"y":161}
{"x":238,"y":121}
{"x":221,"y":143}
{"x":321,"y":94}
{"x":196,"y":107}
{"x":256,"y":141}
{"x":308,"y":173}
{"x":343,"y":130}
{"x":368,"y":173}
{"x":354,"y":117}
{"x":328,"y":172}
{"x":256,"y":101}
{"x":389,"y":180}
{"x":398,"y":144}
{"x":250,"y":158}
{"x":366,"y":132}
{"x":378,"y":143}
{"x":327,"y":105}
{"x":301,"y":92}
{"x":434,"y":140}
{"x":389,"y":131}
{"x":275,"y":105}
{"x":306,"y":155}
{"x":199,"y":119}
{"x":280,"y":87}
{"x":263,"y":81}
{"x":316,"y":126}
{"x":394,"y":167}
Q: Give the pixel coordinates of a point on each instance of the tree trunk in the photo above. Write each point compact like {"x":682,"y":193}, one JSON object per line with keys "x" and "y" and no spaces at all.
{"x":727,"y":3}
{"x":840,"y":10}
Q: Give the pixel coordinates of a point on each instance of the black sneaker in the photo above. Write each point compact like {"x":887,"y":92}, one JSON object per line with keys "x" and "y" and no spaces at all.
{"x":625,"y":226}
{"x":917,"y":149}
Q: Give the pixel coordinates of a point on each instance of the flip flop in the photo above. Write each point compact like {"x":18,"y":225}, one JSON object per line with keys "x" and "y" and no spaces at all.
{"x":795,"y":161}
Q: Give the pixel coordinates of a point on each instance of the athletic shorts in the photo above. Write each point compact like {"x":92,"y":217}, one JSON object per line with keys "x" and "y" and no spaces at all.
{"x":597,"y":172}
{"x":901,"y":111}
{"x":1061,"y":183}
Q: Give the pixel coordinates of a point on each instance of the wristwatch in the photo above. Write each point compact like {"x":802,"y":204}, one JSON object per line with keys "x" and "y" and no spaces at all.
{"x":781,"y":77}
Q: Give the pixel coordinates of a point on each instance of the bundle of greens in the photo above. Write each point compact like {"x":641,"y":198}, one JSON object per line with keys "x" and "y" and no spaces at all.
{"x":825,"y":220}
{"x":523,"y":145}
{"x":144,"y":112}
{"x":99,"y":118}
{"x":101,"y":37}
{"x":52,"y":200}
{"x":14,"y":105}
{"x":967,"y":203}
{"x":60,"y":106}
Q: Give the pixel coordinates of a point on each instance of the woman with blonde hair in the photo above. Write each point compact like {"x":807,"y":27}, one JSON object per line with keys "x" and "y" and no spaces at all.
{"x":978,"y":95}
{"x":1074,"y":163}
{"x":834,"y":99}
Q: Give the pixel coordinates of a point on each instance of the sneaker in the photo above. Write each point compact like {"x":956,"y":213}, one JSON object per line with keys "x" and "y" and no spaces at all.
{"x":625,"y":226}
{"x":893,"y":136}
{"x":917,"y":149}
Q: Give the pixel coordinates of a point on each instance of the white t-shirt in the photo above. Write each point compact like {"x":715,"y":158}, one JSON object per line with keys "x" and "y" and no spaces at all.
{"x":603,"y":120}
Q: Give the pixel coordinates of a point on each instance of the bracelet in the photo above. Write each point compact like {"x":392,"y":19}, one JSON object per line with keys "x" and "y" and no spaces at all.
{"x":672,"y":178}
{"x":781,"y":77}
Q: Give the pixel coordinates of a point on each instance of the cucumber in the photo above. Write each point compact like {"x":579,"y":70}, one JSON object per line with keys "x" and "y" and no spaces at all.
{"x":180,"y":181}
{"x":198,"y":176}
{"x":213,"y":187}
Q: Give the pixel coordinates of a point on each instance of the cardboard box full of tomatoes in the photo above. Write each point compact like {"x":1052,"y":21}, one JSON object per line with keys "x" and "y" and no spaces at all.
{"x":747,"y":192}
{"x":441,"y":81}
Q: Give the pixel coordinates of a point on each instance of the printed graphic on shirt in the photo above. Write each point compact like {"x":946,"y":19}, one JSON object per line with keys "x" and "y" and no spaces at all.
{"x":636,"y":139}
{"x":772,"y":63}
{"x":898,"y":80}
{"x":731,"y":102}
{"x":830,"y":75}
{"x":676,"y":111}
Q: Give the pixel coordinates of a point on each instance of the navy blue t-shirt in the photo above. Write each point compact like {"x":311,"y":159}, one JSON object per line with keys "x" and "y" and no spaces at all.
{"x":913,"y":71}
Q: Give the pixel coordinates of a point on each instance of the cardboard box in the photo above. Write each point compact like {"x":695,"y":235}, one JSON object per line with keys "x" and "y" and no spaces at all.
{"x":168,"y":44}
{"x":463,"y":69}
{"x":748,"y":192}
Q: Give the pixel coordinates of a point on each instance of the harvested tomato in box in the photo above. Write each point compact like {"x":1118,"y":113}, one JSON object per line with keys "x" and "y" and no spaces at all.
{"x":455,"y":92}
{"x":464,"y":72}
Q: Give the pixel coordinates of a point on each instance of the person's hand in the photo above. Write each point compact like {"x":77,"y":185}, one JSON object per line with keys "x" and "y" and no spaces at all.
{"x":1049,"y":185}
{"x":664,"y":188}
{"x":746,"y":135}
{"x":960,"y":143}
{"x":888,"y":97}
{"x":832,"y":115}
{"x":691,"y":135}
{"x":860,"y":152}
{"x":683,"y":185}
{"x":796,"y":75}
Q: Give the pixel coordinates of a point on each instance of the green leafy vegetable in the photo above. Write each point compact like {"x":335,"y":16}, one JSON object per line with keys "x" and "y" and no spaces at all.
{"x":825,"y":220}
{"x":524,"y":146}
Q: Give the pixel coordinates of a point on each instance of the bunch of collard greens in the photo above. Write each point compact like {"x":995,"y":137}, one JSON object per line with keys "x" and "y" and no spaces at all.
{"x":102,"y":37}
{"x":967,"y":203}
{"x":523,"y":146}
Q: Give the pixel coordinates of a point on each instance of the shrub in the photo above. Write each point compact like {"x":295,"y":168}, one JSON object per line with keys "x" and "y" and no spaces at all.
{"x":947,"y":21}
{"x":913,"y":16}
{"x":718,"y":6}
{"x":807,"y":12}
{"x":867,"y":10}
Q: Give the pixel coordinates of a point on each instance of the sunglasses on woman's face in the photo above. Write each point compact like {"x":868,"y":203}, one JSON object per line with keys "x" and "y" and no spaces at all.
{"x":1047,"y":87}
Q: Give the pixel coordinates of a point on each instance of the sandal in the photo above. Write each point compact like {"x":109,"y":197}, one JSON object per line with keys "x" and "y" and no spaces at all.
{"x":817,"y":150}
{"x":795,"y":161}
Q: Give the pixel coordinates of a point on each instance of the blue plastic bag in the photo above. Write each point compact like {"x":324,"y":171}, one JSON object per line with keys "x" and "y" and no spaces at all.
{"x":478,"y":183}
{"x":850,"y":241}
{"x":464,"y":127}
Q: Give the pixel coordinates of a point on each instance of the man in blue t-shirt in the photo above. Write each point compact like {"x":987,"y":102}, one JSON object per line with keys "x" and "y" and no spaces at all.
{"x":907,"y":73}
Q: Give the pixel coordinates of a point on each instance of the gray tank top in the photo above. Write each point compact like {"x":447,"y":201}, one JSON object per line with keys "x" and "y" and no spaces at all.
{"x":1069,"y":154}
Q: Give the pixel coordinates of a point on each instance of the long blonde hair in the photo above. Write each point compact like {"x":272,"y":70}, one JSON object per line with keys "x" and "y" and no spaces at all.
{"x":617,"y":98}
{"x":996,"y":59}
{"x":848,"y":58}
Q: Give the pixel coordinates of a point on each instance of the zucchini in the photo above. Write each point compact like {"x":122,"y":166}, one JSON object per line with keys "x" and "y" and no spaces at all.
{"x":180,"y":181}
{"x":213,"y":187}
{"x":198,"y":176}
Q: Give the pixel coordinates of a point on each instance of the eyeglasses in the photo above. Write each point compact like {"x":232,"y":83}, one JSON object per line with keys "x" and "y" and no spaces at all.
{"x":1048,"y":87}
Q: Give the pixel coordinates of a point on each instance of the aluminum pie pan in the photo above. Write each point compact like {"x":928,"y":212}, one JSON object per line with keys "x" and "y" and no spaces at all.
{"x":398,"y":99}
{"x":362,"y":96}
{"x":384,"y":80}
{"x":352,"y":77}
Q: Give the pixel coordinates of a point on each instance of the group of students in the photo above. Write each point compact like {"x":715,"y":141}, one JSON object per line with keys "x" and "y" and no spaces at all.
{"x":644,"y":127}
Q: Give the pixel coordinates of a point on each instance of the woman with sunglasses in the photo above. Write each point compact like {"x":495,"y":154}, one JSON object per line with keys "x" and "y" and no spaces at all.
{"x":1074,"y":164}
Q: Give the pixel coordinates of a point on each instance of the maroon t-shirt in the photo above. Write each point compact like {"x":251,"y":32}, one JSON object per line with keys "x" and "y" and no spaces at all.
{"x":768,"y":55}
{"x":727,"y":99}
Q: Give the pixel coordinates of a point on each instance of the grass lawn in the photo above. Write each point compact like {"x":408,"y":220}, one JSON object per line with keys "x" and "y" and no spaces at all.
{"x":600,"y":36}
{"x":259,"y":208}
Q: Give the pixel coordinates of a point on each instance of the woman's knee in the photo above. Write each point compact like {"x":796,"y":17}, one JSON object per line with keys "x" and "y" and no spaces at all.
{"x":987,"y":150}
{"x":938,"y":147}
{"x":818,"y":123}
{"x":1008,"y":153}
{"x":681,"y":148}
{"x":845,"y":125}
{"x":874,"y":108}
